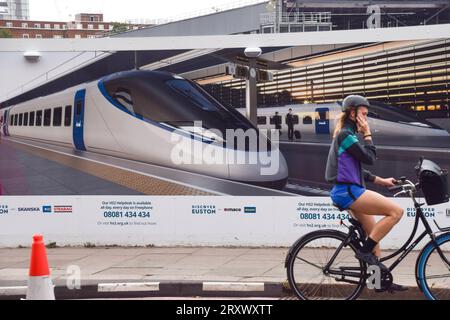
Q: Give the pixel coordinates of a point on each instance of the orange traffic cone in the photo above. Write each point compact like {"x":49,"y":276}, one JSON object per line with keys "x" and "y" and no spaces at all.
{"x":40,"y":285}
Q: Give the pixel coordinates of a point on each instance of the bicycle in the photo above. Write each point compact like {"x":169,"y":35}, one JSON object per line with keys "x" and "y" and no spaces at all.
{"x":333,"y":271}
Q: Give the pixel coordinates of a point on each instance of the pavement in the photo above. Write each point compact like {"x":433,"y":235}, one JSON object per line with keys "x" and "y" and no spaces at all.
{"x":118,"y":272}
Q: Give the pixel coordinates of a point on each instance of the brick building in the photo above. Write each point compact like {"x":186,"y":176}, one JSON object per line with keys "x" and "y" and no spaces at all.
{"x":86,"y":25}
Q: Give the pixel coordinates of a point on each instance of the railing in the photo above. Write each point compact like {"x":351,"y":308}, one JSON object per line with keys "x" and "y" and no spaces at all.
{"x":296,"y":17}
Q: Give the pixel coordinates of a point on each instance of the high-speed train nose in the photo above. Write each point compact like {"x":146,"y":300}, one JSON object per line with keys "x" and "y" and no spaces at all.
{"x":266,"y":169}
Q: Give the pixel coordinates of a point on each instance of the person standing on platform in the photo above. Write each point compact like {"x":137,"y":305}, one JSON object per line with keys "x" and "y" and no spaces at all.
{"x":290,"y":124}
{"x":277,"y":121}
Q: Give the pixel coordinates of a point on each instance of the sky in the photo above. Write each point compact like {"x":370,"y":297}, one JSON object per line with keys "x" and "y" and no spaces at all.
{"x":121,"y":11}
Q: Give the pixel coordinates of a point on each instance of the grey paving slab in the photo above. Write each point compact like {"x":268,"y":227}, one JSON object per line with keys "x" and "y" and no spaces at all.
{"x":222,"y":251}
{"x":174,"y":265}
{"x":203,"y":261}
{"x":152,"y":260}
{"x":187,"y":250}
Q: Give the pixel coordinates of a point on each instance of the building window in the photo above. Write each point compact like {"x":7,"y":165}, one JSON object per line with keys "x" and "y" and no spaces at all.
{"x":79,"y":26}
{"x":47,"y":117}
{"x":307,"y":120}
{"x":25,"y":119}
{"x":16,"y":119}
{"x":68,"y":116}
{"x":11,"y":120}
{"x":90,"y":36}
{"x":101,"y":26}
{"x":111,"y":27}
{"x":47,"y":26}
{"x":90,"y":26}
{"x":9,"y":25}
{"x":26,"y":36}
{"x":56,"y":26}
{"x":57,"y":117}
{"x":57,"y":36}
{"x":39,"y":36}
{"x":20,"y":119}
{"x":78,"y":36}
{"x":32,"y":114}
{"x":37,"y":25}
{"x":24,"y":25}
{"x":39,"y":118}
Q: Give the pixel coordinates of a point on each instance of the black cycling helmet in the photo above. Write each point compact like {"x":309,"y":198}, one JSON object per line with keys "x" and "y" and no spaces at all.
{"x":354,"y":101}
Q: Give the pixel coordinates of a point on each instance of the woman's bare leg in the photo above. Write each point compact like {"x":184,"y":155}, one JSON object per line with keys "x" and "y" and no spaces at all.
{"x":368,"y":223}
{"x":372,"y":203}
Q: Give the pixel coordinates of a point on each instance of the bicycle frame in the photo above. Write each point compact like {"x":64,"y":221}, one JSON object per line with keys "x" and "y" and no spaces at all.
{"x":404,"y":250}
{"x":408,"y":246}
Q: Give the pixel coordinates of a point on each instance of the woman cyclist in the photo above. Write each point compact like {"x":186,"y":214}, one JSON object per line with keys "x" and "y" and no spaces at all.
{"x":344,"y":170}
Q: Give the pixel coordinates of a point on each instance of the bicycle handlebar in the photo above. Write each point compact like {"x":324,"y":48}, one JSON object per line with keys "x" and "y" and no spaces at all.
{"x":396,"y":188}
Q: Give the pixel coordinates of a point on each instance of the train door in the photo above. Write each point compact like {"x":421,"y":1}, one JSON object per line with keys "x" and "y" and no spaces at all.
{"x":322,"y":121}
{"x":78,"y":120}
{"x":5,"y":123}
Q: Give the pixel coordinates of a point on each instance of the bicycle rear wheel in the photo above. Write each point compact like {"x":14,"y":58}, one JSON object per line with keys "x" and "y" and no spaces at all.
{"x":306,"y":271}
{"x":433,"y":272}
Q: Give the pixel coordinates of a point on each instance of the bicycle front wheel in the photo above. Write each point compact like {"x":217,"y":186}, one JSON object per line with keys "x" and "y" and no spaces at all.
{"x":307,"y":273}
{"x":433,"y":270}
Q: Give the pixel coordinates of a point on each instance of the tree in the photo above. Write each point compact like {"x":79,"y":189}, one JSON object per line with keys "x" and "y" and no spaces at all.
{"x":5,"y":33}
{"x":119,"y":27}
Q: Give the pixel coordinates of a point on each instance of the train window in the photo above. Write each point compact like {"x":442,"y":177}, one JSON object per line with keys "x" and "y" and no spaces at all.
{"x":47,"y":117}
{"x":262,"y":120}
{"x":20,"y":119}
{"x":32,"y":116}
{"x":272,"y":119}
{"x":57,"y":117}
{"x":39,"y":118}
{"x":16,"y":119}
{"x":25,"y":119}
{"x":68,"y":116}
{"x":295,"y":119}
{"x":164,"y":99}
{"x":123,"y":96}
{"x":307,"y":120}
{"x":321,"y":115}
{"x":190,"y":92}
{"x":11,"y":120}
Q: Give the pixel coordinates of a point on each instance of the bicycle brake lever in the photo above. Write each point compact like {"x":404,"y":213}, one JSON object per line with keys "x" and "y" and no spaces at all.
{"x":399,"y":193}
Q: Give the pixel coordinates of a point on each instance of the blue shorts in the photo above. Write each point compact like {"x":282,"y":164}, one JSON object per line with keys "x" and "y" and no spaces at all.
{"x":344,"y":195}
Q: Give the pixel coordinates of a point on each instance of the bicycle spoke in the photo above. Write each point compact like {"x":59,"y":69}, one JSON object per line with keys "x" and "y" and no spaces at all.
{"x":310,"y":263}
{"x":438,"y":276}
{"x":307,"y":274}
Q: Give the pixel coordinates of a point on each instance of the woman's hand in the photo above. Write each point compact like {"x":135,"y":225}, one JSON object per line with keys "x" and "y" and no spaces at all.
{"x":363,"y":125}
{"x":388,"y":182}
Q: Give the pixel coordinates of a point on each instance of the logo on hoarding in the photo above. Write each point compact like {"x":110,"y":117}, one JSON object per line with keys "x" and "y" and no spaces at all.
{"x":249,"y":209}
{"x":232,"y":210}
{"x":204,"y":209}
{"x":28,"y":209}
{"x":427,"y":212}
{"x":47,"y":209}
{"x":240,"y":210}
{"x":62,"y":209}
{"x":3,"y":209}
